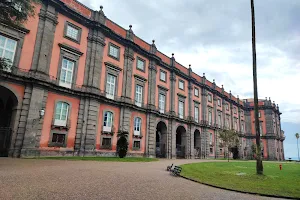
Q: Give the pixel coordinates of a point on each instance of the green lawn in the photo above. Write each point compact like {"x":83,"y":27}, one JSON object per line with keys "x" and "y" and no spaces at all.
{"x":224,"y":174}
{"x":112,"y":159}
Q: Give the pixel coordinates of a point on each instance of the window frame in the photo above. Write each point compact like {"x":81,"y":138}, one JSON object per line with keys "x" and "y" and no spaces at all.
{"x":13,"y":52}
{"x":110,"y":44}
{"x":209,"y":116}
{"x":72,"y":54}
{"x":219,"y":102}
{"x":55,"y":144}
{"x":78,"y":39}
{"x":209,"y":98}
{"x":106,"y":128}
{"x":59,"y":122}
{"x":113,"y":70}
{"x":106,"y":146}
{"x":165,"y":73}
{"x":136,"y":132}
{"x":196,"y":107}
{"x":162,"y":91}
{"x":196,"y":89}
{"x":17,"y":34}
{"x":144,"y":64}
{"x":181,"y":81}
{"x":136,"y":148}
{"x":139,"y":81}
{"x":182,"y":100}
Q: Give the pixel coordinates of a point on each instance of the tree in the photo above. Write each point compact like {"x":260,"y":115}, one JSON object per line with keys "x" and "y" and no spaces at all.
{"x":230,"y":139}
{"x":17,"y":11}
{"x":297,"y":136}
{"x":259,"y":165}
{"x":122,"y":144}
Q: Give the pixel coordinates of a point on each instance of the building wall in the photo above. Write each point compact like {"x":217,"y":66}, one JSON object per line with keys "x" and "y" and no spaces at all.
{"x":41,"y":46}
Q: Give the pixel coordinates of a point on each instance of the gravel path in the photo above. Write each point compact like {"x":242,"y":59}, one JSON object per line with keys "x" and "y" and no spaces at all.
{"x":56,"y":179}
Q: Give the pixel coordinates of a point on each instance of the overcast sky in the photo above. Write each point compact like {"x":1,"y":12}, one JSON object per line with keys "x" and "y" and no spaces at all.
{"x":215,"y":38}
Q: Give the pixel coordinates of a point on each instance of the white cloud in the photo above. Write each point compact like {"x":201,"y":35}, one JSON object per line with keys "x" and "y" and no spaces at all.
{"x":216,"y":39}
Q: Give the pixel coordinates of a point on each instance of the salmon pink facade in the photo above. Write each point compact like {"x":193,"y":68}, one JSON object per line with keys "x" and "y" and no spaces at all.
{"x":78,"y":79}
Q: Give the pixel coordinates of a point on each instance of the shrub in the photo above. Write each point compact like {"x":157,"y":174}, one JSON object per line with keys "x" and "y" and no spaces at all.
{"x":122,"y":144}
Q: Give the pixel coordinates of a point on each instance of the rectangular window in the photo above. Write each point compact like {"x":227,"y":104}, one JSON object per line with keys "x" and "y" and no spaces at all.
{"x":180,"y":109}
{"x":58,"y":139}
{"x":61,"y":114}
{"x":7,"y":50}
{"x":196,"y":113}
{"x":108,"y":121}
{"x":137,"y":126}
{"x":110,"y":86}
{"x":209,"y":117}
{"x":114,"y":51}
{"x":227,"y":107}
{"x":259,"y":114}
{"x":242,"y":126}
{"x":209,"y":98}
{"x":234,"y":110}
{"x":138,"y":95}
{"x":72,"y":32}
{"x":219,"y":120}
{"x":140,"y":64}
{"x":219,"y":102}
{"x":181,"y":84}
{"x":106,"y":143}
{"x":227,"y":122}
{"x":162,"y":100}
{"x":211,"y":150}
{"x":163,"y":76}
{"x":66,"y":74}
{"x":210,"y":138}
{"x":136,"y":145}
{"x":196,"y":92}
{"x":235,"y":124}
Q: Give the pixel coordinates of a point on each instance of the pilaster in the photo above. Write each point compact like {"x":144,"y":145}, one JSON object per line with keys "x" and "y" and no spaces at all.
{"x":34,"y":123}
{"x":44,"y":40}
{"x":152,"y":79}
{"x":127,"y":74}
{"x":173,"y":85}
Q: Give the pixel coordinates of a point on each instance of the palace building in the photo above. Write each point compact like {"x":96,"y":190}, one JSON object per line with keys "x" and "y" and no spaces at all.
{"x":77,"y":79}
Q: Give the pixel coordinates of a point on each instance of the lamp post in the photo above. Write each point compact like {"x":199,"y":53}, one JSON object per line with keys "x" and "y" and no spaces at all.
{"x":259,"y":165}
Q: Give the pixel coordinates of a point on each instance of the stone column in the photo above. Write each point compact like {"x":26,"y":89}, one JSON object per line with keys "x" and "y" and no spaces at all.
{"x":44,"y":41}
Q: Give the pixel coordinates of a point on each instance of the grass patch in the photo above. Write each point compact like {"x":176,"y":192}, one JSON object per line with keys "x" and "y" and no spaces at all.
{"x":242,"y":176}
{"x":106,"y":159}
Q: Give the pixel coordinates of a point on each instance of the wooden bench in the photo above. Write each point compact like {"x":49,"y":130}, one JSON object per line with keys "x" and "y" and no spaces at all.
{"x":176,"y":171}
{"x":169,"y":168}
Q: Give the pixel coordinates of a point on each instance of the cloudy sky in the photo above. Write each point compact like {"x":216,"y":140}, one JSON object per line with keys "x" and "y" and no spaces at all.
{"x":215,"y":38}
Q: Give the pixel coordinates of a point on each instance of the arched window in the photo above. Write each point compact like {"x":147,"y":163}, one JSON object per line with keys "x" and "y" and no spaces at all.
{"x":61,"y":113}
{"x":137,"y":126}
{"x":108,"y":121}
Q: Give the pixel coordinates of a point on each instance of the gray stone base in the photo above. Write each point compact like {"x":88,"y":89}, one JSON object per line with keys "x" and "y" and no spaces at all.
{"x":32,"y":153}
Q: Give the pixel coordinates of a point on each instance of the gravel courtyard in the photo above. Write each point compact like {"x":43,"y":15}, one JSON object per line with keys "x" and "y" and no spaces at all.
{"x":56,"y":179}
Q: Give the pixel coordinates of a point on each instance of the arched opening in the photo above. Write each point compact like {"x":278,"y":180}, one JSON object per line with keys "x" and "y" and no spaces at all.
{"x":8,"y":103}
{"x":180,"y":142}
{"x":197,"y":144}
{"x":161,"y":140}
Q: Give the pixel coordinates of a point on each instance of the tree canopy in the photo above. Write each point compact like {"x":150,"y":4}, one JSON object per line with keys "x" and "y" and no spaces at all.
{"x":17,"y":11}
